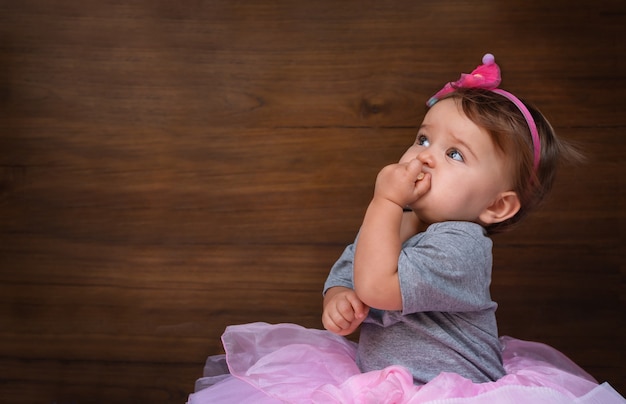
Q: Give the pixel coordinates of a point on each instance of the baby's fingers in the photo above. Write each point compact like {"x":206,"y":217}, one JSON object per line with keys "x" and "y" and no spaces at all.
{"x":359,"y":309}
{"x":414,"y":170}
{"x":333,"y":321}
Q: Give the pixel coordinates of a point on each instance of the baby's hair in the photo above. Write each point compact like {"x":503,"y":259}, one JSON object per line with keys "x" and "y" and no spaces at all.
{"x":510,"y":133}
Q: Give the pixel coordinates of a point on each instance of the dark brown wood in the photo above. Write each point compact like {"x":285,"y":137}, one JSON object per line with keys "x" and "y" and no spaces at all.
{"x":170,"y":168}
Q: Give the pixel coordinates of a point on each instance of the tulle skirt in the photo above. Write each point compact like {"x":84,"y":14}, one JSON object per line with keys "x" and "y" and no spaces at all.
{"x":286,"y":363}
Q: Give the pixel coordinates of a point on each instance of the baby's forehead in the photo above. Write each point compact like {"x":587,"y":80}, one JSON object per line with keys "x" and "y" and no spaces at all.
{"x":448,"y":115}
{"x":446,"y":106}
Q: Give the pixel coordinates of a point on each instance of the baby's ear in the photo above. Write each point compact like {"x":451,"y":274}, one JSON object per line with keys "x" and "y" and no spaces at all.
{"x":505,"y":206}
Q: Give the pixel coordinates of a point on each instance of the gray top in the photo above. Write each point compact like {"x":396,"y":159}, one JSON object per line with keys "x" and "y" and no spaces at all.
{"x":448,"y":321}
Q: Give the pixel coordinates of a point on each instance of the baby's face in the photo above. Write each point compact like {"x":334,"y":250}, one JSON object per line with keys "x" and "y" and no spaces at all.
{"x":467,"y":171}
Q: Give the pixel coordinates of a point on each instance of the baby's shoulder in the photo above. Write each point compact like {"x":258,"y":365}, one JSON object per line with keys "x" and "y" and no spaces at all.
{"x":457,"y":235}
{"x":457,"y":228}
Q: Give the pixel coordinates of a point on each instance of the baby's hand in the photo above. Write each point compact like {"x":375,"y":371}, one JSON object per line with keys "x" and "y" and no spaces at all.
{"x":343,"y":311}
{"x":402,"y":183}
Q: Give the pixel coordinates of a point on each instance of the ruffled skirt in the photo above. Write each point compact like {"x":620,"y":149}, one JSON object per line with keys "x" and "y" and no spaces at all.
{"x":286,"y":363}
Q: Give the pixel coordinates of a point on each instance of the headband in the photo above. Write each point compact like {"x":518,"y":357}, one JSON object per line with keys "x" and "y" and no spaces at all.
{"x":487,"y":77}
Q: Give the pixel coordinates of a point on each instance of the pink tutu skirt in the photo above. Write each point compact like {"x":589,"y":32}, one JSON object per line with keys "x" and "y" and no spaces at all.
{"x":286,"y":363}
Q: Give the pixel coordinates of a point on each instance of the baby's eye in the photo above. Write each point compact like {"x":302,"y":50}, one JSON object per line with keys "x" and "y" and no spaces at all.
{"x":422,"y":141}
{"x":455,"y":155}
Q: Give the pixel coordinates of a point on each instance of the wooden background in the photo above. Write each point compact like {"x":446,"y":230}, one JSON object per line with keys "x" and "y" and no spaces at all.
{"x":171,"y":167}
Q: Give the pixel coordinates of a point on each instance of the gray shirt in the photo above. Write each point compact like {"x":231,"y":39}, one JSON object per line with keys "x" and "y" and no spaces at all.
{"x":447,"y":322}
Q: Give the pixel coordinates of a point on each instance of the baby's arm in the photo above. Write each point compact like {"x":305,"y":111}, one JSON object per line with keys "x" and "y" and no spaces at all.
{"x":376,"y":281}
{"x":343,"y":310}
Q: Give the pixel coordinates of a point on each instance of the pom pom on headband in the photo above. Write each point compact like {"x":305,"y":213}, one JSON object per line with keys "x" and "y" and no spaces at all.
{"x":487,"y":77}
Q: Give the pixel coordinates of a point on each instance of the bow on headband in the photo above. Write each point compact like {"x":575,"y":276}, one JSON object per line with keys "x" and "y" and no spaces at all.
{"x":487,"y":77}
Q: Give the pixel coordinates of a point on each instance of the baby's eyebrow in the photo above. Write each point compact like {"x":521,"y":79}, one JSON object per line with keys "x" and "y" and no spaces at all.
{"x":465,"y":145}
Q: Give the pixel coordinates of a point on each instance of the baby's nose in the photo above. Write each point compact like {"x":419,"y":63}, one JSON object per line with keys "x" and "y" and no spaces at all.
{"x":426,"y":158}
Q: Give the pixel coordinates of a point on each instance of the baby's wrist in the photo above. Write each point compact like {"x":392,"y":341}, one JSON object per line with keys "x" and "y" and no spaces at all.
{"x":384,"y":202}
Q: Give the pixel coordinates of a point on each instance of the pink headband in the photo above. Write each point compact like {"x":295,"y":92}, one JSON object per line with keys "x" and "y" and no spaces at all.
{"x":487,"y":76}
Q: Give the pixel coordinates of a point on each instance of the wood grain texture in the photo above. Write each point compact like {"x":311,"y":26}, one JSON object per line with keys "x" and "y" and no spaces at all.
{"x":170,"y":168}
